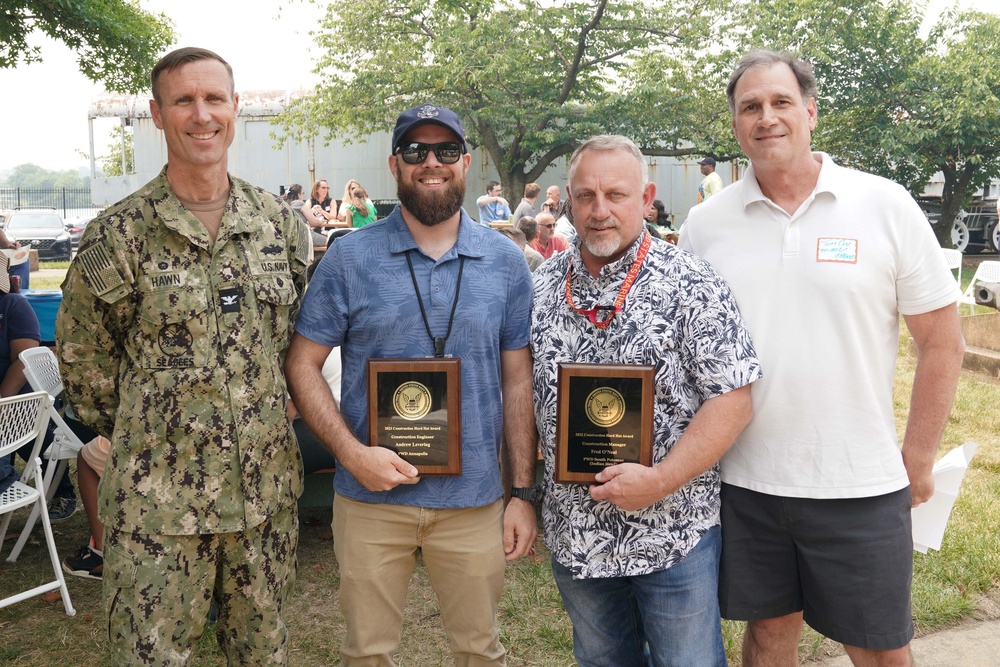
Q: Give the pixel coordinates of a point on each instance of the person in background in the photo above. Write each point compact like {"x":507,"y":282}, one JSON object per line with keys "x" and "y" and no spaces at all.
{"x":552,"y":203}
{"x":529,"y":227}
{"x":345,"y":200}
{"x":175,"y":317}
{"x":527,"y":205}
{"x":548,"y":242}
{"x":712,"y":183}
{"x":816,"y":493}
{"x":320,"y":203}
{"x":492,"y":206}
{"x":88,"y":560}
{"x":658,"y":218}
{"x":360,"y":209}
{"x":425,"y":281}
{"x":517,"y":236}
{"x":21,"y":270}
{"x":636,"y":555}
{"x":295,"y":198}
{"x":19,"y":331}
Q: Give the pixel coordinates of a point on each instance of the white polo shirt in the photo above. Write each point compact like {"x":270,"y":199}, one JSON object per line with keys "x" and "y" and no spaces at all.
{"x":821,"y":292}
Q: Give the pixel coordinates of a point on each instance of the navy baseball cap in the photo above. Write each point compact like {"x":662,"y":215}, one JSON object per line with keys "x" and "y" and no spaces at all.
{"x":423,"y":114}
{"x":710,"y":161}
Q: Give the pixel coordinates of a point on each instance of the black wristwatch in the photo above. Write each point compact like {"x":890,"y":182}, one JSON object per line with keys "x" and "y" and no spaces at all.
{"x":531,"y":494}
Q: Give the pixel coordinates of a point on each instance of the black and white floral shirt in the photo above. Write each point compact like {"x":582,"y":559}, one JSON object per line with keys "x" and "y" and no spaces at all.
{"x":679,"y":317}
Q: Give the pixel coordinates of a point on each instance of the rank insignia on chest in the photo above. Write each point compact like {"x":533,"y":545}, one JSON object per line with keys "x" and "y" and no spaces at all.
{"x":229,"y":300}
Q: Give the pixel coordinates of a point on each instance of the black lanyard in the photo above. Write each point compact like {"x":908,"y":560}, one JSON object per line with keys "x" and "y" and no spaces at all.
{"x":437,"y":340}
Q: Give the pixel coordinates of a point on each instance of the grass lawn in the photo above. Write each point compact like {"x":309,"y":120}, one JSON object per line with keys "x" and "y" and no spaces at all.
{"x":959,"y":582}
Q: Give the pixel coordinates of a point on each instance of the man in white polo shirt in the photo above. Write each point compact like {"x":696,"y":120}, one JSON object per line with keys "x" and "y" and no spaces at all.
{"x":816,"y":494}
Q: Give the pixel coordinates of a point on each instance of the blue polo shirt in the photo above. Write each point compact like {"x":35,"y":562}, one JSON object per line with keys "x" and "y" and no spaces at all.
{"x":494,"y":211}
{"x":362,"y":299}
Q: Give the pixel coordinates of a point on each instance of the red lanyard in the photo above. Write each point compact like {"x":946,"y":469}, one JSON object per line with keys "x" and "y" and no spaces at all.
{"x":633,"y":273}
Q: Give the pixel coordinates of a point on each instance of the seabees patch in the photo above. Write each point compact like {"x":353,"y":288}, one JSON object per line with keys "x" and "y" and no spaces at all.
{"x":100,"y":272}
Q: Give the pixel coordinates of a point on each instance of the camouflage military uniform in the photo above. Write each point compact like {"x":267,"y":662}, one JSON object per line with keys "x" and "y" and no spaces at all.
{"x":171,"y":345}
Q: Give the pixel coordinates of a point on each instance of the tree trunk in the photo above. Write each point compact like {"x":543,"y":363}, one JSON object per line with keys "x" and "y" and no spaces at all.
{"x":950,"y":208}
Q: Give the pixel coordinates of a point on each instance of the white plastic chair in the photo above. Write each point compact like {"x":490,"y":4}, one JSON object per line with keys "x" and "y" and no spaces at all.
{"x":23,"y":419}
{"x":953,"y":258}
{"x":42,"y":372}
{"x":987,"y":271}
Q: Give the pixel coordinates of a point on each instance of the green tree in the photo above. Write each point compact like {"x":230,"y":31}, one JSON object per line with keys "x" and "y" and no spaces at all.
{"x":117,"y":42}
{"x":32,"y":176}
{"x":120,"y":158}
{"x":951,"y":112}
{"x":890,"y":102}
{"x":528,"y":79}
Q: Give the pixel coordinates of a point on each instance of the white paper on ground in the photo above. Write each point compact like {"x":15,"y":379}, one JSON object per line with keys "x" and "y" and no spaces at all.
{"x":931,"y":518}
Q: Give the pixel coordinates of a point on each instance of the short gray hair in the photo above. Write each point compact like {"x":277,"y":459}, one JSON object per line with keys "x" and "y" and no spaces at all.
{"x":802,"y":70}
{"x":609,"y":142}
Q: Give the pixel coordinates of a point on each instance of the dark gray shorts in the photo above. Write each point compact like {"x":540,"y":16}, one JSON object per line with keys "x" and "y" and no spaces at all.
{"x":847,"y":564}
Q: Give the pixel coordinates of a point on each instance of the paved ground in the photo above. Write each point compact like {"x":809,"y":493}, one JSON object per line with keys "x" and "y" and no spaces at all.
{"x":972,"y":644}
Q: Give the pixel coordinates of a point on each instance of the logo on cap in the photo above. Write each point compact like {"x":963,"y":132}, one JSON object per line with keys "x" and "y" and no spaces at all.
{"x":427,"y":111}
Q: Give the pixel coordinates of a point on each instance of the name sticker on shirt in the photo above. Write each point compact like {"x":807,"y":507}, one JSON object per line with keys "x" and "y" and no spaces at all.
{"x":844,"y":251}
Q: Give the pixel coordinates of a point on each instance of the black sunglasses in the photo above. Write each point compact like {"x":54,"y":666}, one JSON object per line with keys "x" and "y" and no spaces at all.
{"x":447,"y":152}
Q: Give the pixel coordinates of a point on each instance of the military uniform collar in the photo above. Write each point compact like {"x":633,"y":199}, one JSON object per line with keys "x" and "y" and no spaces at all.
{"x":176,"y":217}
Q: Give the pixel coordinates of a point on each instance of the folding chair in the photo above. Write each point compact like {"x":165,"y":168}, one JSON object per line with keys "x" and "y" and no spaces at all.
{"x":23,"y":419}
{"x":987,"y":271}
{"x":42,"y":372}
{"x":953,"y":258}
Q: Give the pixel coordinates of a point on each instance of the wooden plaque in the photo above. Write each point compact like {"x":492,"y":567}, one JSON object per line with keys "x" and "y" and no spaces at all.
{"x":604,"y":416}
{"x":415,"y":409}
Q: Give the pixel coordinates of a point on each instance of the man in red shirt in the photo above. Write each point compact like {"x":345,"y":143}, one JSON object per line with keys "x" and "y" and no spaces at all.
{"x":548,"y":242}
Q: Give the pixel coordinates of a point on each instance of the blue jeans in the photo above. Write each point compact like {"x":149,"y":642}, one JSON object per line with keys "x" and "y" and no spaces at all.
{"x":667,"y":618}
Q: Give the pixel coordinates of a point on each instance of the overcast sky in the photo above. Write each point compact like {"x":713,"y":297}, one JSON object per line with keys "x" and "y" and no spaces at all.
{"x":43,"y":110}
{"x":43,"y":106}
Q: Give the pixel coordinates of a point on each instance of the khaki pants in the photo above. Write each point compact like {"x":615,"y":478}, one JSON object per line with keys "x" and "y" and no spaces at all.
{"x":376,"y":546}
{"x":158,"y":589}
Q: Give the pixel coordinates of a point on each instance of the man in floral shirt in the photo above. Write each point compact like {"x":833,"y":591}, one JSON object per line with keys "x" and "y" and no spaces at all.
{"x":636,"y":555}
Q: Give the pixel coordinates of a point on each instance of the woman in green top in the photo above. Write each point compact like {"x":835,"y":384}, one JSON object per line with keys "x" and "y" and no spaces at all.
{"x":360,"y":210}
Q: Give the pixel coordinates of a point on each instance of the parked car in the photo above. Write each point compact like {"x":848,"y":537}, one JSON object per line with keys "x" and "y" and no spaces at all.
{"x":75,"y":229}
{"x":40,"y":229}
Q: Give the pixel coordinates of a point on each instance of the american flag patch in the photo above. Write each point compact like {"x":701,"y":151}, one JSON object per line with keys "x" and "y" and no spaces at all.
{"x":99,"y":271}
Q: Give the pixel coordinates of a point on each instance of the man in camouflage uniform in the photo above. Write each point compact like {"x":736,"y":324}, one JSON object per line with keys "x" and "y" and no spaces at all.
{"x":174,"y":321}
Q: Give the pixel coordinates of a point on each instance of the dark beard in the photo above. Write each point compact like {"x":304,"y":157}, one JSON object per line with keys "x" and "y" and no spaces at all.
{"x":432,"y":208}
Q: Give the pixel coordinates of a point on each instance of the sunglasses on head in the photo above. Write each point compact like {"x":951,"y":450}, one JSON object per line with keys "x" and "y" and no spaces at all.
{"x":414,"y":152}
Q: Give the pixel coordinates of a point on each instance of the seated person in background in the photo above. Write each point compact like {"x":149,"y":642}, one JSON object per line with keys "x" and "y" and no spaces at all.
{"x":360,"y":209}
{"x":296,"y":200}
{"x":346,"y":199}
{"x":548,"y":242}
{"x":657,"y":216}
{"x":320,"y":203}
{"x":552,"y":203}
{"x":19,"y":331}
{"x":517,"y":236}
{"x":88,"y":561}
{"x":492,"y":206}
{"x":529,"y":227}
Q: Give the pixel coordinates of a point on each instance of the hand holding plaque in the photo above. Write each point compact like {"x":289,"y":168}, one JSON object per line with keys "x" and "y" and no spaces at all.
{"x":604,"y":417}
{"x":414,"y":409}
